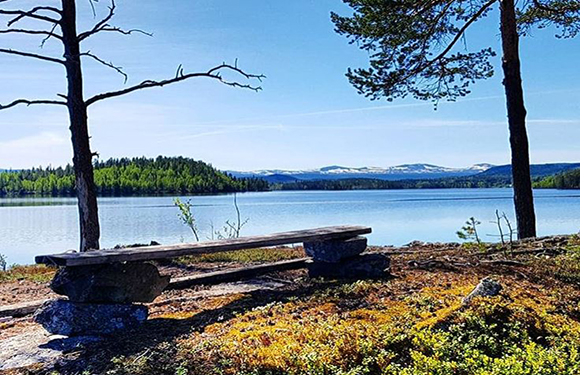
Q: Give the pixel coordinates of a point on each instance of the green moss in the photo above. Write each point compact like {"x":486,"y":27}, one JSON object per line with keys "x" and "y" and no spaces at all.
{"x":358,"y":329}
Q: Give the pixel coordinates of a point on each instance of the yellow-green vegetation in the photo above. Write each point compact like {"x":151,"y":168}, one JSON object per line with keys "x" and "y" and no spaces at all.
{"x":35,"y":273}
{"x":414,"y":324}
{"x":247,"y":256}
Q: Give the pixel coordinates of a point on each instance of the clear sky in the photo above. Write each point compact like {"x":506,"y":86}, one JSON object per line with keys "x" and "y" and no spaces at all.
{"x":307,"y":115}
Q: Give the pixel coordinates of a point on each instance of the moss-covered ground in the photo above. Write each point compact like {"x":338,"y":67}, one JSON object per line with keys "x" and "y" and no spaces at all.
{"x":410,"y":323}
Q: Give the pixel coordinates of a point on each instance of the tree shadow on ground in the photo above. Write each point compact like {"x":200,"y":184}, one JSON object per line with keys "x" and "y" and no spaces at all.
{"x":96,"y":357}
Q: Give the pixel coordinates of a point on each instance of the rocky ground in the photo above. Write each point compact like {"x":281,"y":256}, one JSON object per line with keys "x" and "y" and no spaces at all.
{"x":426,"y":280}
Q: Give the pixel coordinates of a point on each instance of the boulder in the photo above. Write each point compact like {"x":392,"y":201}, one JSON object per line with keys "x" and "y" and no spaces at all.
{"x":487,"y":287}
{"x":110,"y":283}
{"x":335,"y":250}
{"x":62,"y":317}
{"x":366,"y":266}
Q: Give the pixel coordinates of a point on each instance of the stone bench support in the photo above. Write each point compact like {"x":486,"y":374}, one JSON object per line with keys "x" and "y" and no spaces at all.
{"x":335,"y":250}
{"x":117,"y":283}
{"x":342,"y":259}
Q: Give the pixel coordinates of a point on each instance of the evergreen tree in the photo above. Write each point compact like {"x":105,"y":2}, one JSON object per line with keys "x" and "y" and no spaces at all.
{"x":414,"y":49}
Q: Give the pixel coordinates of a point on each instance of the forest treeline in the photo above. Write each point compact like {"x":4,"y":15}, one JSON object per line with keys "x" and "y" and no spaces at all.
{"x":136,"y":176}
{"x":179,"y":175}
{"x":566,"y":180}
{"x":376,"y":184}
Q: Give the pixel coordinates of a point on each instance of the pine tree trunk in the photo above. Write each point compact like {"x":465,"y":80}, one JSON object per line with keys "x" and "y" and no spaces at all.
{"x":521,"y":178}
{"x":82,"y":155}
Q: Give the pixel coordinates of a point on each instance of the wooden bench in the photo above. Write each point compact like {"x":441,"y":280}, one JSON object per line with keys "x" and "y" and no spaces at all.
{"x":330,"y":235}
{"x":104,"y":287}
{"x":126,"y":276}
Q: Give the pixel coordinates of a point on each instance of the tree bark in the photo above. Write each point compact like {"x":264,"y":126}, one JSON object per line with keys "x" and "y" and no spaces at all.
{"x":82,"y":155}
{"x":516,"y":111}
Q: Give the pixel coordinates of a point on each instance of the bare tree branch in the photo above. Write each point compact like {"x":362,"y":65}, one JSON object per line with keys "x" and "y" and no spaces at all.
{"x":31,"y":32}
{"x":104,"y":25}
{"x":213,"y":73}
{"x":30,"y":102}
{"x":99,"y":24}
{"x":32,"y":55}
{"x":20,"y":14}
{"x":118,"y":69}
{"x":122,"y":31}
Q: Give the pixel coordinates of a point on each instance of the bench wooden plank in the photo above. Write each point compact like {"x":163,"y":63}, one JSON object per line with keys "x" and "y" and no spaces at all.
{"x":236,"y":274}
{"x":174,"y":251}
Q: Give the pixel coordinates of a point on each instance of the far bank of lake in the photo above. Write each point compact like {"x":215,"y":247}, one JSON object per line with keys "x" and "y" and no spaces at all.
{"x":30,"y":226}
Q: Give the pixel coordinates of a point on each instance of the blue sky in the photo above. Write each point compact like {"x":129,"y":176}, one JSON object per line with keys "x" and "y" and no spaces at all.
{"x":307,"y":115}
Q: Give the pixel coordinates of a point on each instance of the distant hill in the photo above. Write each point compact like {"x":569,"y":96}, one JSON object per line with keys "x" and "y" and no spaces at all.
{"x":494,"y":177}
{"x":137,"y":176}
{"x":537,"y":170}
{"x":395,"y":173}
{"x":278,"y":178}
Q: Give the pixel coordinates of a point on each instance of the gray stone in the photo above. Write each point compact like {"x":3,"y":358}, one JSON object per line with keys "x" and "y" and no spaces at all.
{"x":110,"y":283}
{"x":335,"y":250}
{"x":487,"y":287}
{"x":62,"y":317}
{"x":33,"y":346}
{"x":366,"y":266}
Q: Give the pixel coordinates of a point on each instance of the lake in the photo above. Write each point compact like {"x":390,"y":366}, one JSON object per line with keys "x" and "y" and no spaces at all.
{"x":30,"y":226}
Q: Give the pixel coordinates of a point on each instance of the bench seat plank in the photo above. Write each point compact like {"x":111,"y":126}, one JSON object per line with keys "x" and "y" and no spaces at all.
{"x":173,"y":251}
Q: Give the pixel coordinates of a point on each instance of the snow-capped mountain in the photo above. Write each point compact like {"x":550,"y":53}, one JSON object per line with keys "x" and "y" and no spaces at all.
{"x":398,"y":172}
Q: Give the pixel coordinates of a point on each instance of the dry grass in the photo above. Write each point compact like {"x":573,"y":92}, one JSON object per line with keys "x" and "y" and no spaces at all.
{"x":34,"y":273}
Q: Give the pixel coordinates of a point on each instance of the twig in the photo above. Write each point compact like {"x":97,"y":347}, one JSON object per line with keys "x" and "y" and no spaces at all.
{"x":30,"y":102}
{"x":503,"y":262}
{"x":50,"y":35}
{"x":118,"y":69}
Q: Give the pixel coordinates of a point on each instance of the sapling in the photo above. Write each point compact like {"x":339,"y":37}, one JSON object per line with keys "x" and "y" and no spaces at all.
{"x":469,"y":230}
{"x":231,"y":229}
{"x":186,"y":215}
{"x":3,"y":263}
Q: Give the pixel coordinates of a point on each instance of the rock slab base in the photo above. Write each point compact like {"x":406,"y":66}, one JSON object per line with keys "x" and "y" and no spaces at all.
{"x":366,"y":266}
{"x":62,"y":317}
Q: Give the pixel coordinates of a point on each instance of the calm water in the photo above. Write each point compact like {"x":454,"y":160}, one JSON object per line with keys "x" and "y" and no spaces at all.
{"x":30,"y":226}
